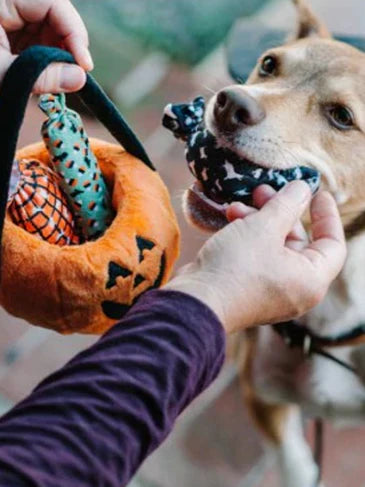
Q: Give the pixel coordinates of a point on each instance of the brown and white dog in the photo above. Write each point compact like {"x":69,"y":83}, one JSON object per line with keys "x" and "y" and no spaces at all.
{"x":304,"y":104}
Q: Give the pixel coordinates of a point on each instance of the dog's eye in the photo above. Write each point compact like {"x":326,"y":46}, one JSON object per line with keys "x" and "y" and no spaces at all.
{"x":341,"y":117}
{"x":268,"y":66}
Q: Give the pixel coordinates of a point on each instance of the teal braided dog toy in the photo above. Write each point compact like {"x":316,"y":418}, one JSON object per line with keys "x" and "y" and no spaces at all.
{"x":71,"y":156}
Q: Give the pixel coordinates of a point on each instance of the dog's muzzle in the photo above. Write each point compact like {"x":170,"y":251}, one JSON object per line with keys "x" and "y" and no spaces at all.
{"x":223,"y":176}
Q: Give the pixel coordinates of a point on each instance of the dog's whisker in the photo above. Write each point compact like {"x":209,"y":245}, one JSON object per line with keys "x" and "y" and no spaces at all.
{"x":287,"y":152}
{"x":283,"y":154}
{"x":209,"y":89}
{"x":219,"y":82}
{"x":178,"y":195}
{"x":284,"y":141}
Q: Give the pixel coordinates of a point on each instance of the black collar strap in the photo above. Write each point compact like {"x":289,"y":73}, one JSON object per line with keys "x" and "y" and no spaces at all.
{"x":298,"y":336}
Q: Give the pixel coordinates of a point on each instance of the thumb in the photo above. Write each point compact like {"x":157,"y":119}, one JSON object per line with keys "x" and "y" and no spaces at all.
{"x":6,"y":60}
{"x":284,"y":209}
{"x":328,"y":247}
{"x":59,"y":78}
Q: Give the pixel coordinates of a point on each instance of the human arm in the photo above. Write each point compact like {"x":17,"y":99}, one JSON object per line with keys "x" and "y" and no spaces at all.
{"x":94,"y":421}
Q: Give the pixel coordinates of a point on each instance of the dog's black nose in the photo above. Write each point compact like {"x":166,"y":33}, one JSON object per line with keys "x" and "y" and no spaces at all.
{"x":235,"y":109}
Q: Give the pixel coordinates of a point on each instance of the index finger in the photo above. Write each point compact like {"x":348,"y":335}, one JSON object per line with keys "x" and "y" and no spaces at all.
{"x":298,"y":236}
{"x":285,"y":208}
{"x":67,"y":23}
{"x":328,"y":248}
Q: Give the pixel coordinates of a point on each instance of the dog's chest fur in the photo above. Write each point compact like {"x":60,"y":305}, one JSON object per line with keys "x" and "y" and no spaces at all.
{"x":320,"y":386}
{"x":344,"y":306}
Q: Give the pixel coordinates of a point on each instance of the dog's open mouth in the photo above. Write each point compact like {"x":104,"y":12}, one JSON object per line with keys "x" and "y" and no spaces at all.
{"x":233,"y":179}
{"x":222,"y":176}
{"x":198,"y":190}
{"x":226,"y":176}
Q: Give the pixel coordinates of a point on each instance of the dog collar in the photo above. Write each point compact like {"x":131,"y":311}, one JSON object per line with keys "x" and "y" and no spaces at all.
{"x":300,"y":336}
{"x":224,"y":176}
{"x":295,"y":335}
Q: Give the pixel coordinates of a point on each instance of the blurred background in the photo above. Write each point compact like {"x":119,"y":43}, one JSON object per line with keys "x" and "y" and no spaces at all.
{"x":147,"y":54}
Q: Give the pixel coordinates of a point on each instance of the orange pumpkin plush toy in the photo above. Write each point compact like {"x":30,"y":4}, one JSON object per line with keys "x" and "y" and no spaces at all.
{"x":84,"y":288}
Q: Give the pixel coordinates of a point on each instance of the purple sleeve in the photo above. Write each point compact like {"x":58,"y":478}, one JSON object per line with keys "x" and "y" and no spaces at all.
{"x":94,"y":421}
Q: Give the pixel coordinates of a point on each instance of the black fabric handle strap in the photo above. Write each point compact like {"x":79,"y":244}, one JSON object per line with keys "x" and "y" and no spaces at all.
{"x":16,"y":88}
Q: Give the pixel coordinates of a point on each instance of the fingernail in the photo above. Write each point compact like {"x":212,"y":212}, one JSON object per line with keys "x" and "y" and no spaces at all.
{"x":72,"y":78}
{"x":297,"y":190}
{"x":237,"y":206}
{"x":234,"y":211}
{"x":89,"y":63}
{"x":238,"y":210}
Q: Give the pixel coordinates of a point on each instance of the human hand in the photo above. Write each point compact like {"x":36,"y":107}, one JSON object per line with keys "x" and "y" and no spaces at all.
{"x":48,"y":22}
{"x":297,"y":238}
{"x":261,"y":268}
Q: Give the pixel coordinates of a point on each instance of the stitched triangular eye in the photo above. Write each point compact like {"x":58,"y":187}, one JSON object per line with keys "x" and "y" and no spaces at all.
{"x":115,"y":310}
{"x":114,"y":271}
{"x":143,"y":244}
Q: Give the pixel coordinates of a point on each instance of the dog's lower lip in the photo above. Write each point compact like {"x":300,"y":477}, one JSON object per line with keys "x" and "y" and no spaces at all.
{"x":203,"y":212}
{"x":197,"y":189}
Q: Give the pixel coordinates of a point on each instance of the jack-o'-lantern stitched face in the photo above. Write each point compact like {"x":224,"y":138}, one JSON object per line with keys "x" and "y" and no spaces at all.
{"x":87,"y":288}
{"x":117,"y":274}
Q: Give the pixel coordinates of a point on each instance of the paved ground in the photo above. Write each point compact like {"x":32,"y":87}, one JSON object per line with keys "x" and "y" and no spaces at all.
{"x":213,"y":444}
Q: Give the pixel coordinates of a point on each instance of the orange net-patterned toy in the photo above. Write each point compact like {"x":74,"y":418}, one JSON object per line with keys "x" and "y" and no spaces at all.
{"x":39,"y":206}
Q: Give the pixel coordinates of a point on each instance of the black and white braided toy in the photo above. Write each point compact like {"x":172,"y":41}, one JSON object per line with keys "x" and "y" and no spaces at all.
{"x":224,"y":177}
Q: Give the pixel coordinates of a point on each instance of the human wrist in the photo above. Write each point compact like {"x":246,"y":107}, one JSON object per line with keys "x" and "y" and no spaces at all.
{"x":200,"y":286}
{"x":194,"y":285}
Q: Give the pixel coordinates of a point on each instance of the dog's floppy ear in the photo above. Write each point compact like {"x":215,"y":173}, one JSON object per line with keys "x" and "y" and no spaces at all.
{"x":308,"y":24}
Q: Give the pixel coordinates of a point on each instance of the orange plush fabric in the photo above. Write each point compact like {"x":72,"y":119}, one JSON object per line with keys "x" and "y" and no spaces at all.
{"x":86,"y":288}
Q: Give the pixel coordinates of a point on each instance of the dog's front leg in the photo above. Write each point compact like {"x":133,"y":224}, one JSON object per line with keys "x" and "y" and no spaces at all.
{"x":282,"y":429}
{"x":293,"y":453}
{"x":279,"y":420}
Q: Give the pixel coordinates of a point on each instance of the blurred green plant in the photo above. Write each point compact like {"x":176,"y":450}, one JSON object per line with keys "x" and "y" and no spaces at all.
{"x":125,"y":32}
{"x":187,"y":30}
{"x":122,"y":32}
